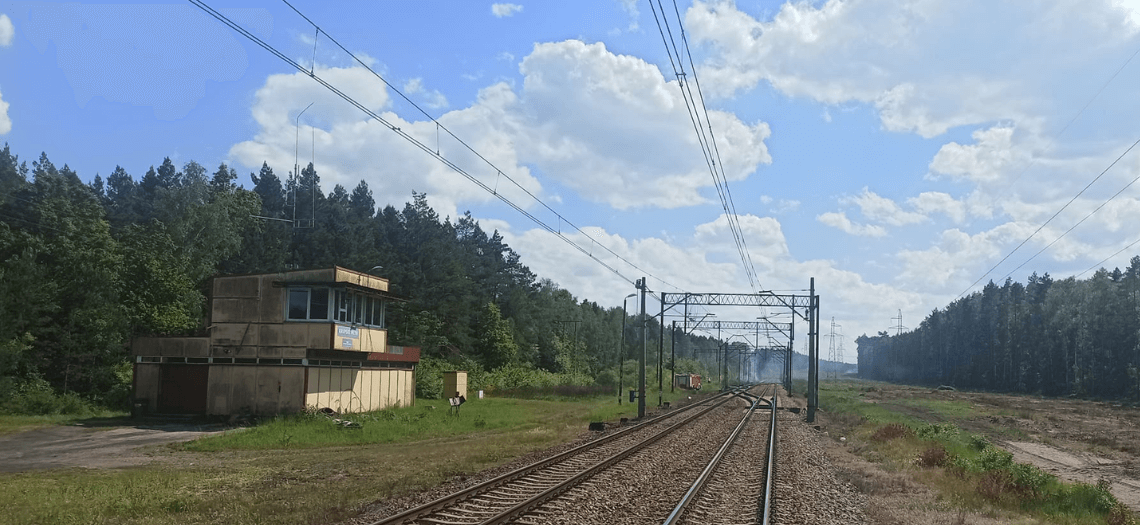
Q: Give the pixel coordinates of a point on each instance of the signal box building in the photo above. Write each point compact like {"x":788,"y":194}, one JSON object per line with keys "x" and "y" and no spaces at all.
{"x":280,"y":342}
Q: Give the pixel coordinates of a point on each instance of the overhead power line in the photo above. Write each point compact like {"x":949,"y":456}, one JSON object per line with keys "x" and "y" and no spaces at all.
{"x":1118,"y":252}
{"x":311,"y":72}
{"x":1090,"y":214}
{"x":702,"y":125}
{"x":1034,"y":162}
{"x":1039,"y":228}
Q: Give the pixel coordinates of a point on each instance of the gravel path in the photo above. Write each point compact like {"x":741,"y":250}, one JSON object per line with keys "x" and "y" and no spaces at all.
{"x":91,"y":447}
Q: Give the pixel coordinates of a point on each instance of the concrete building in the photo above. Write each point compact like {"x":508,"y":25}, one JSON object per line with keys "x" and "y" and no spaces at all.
{"x":278,"y":343}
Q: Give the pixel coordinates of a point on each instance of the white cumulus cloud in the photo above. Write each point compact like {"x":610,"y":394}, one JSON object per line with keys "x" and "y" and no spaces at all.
{"x":925,"y":66}
{"x":7,"y":31}
{"x":5,"y":122}
{"x":613,"y":129}
{"x":929,"y":202}
{"x":883,"y":210}
{"x":987,"y":160}
{"x":840,"y":221}
{"x":503,"y":10}
{"x":606,"y":126}
{"x":431,"y":98}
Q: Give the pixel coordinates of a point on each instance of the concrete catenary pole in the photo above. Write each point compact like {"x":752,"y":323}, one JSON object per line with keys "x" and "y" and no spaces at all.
{"x":813,"y":354}
{"x":641,"y":361}
{"x":661,"y":353}
{"x":673,"y":358}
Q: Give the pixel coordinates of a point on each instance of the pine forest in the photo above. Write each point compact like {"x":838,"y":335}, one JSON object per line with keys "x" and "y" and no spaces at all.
{"x":86,"y":267}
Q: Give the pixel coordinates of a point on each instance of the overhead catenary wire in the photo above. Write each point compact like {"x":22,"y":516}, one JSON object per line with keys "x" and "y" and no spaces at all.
{"x":707,"y":142}
{"x":312,"y":73}
{"x":716,"y":150}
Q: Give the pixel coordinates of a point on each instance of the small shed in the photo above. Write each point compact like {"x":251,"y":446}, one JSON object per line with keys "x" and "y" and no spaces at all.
{"x":455,"y":381}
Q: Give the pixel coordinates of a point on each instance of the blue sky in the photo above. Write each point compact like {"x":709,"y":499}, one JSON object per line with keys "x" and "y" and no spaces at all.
{"x":893,"y":150}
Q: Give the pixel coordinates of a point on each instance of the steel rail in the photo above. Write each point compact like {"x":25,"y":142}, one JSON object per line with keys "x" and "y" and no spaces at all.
{"x":769,"y":470}
{"x":556,"y":490}
{"x":416,"y":513}
{"x":702,"y":480}
{"x":699,"y":484}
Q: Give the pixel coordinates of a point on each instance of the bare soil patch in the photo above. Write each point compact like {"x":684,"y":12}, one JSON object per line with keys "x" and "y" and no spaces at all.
{"x":1076,"y":440}
{"x":93,"y":446}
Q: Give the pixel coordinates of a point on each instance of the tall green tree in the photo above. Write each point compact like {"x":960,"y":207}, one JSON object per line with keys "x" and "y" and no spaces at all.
{"x":495,"y":343}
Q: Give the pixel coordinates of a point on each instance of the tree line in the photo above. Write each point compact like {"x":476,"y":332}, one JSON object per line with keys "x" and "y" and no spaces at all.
{"x":1051,"y":337}
{"x":85,"y":267}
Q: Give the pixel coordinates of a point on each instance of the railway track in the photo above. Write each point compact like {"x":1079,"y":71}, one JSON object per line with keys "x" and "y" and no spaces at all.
{"x":735,"y":486}
{"x":574,"y":486}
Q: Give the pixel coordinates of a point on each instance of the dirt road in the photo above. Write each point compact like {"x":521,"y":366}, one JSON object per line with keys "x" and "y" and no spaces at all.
{"x":91,"y":446}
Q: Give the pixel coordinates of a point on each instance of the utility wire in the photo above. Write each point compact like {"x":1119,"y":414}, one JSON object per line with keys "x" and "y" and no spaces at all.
{"x":311,"y":72}
{"x":716,"y":150}
{"x":499,"y":172}
{"x":1039,"y":228}
{"x":1090,"y":214}
{"x":1033,"y":162}
{"x":1079,"y":113}
{"x":1120,"y":251}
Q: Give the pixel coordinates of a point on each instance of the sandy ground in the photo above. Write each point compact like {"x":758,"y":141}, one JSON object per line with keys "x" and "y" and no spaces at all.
{"x":1075,"y":440}
{"x":91,"y":447}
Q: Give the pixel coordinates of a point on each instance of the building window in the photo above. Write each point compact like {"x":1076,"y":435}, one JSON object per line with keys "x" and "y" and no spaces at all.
{"x":298,"y":303}
{"x":319,"y":303}
{"x":355,"y":308}
{"x":308,"y":304}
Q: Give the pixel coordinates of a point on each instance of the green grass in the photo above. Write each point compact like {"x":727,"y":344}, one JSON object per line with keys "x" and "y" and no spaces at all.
{"x":17,"y":423}
{"x":974,"y":473}
{"x":315,"y":485}
{"x":303,"y":469}
{"x":846,"y":398}
{"x":429,"y":418}
{"x":944,"y":408}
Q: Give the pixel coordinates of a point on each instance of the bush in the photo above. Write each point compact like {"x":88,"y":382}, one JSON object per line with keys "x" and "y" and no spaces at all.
{"x":891,"y":431}
{"x":993,"y":458}
{"x":1120,"y":515}
{"x":1030,"y":480}
{"x":607,"y":378}
{"x":936,"y":430}
{"x":1085,"y":497}
{"x":995,"y":485}
{"x":556,"y":391}
{"x":429,"y":377}
{"x":978,"y":443}
{"x":934,"y":456}
{"x":37,"y":398}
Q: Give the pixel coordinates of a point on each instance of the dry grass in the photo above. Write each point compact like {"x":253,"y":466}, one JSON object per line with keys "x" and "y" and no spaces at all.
{"x":933,"y":456}
{"x":1120,"y":515}
{"x":891,"y":431}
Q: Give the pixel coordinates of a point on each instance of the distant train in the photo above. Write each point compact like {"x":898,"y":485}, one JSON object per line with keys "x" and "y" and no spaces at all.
{"x":687,"y":381}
